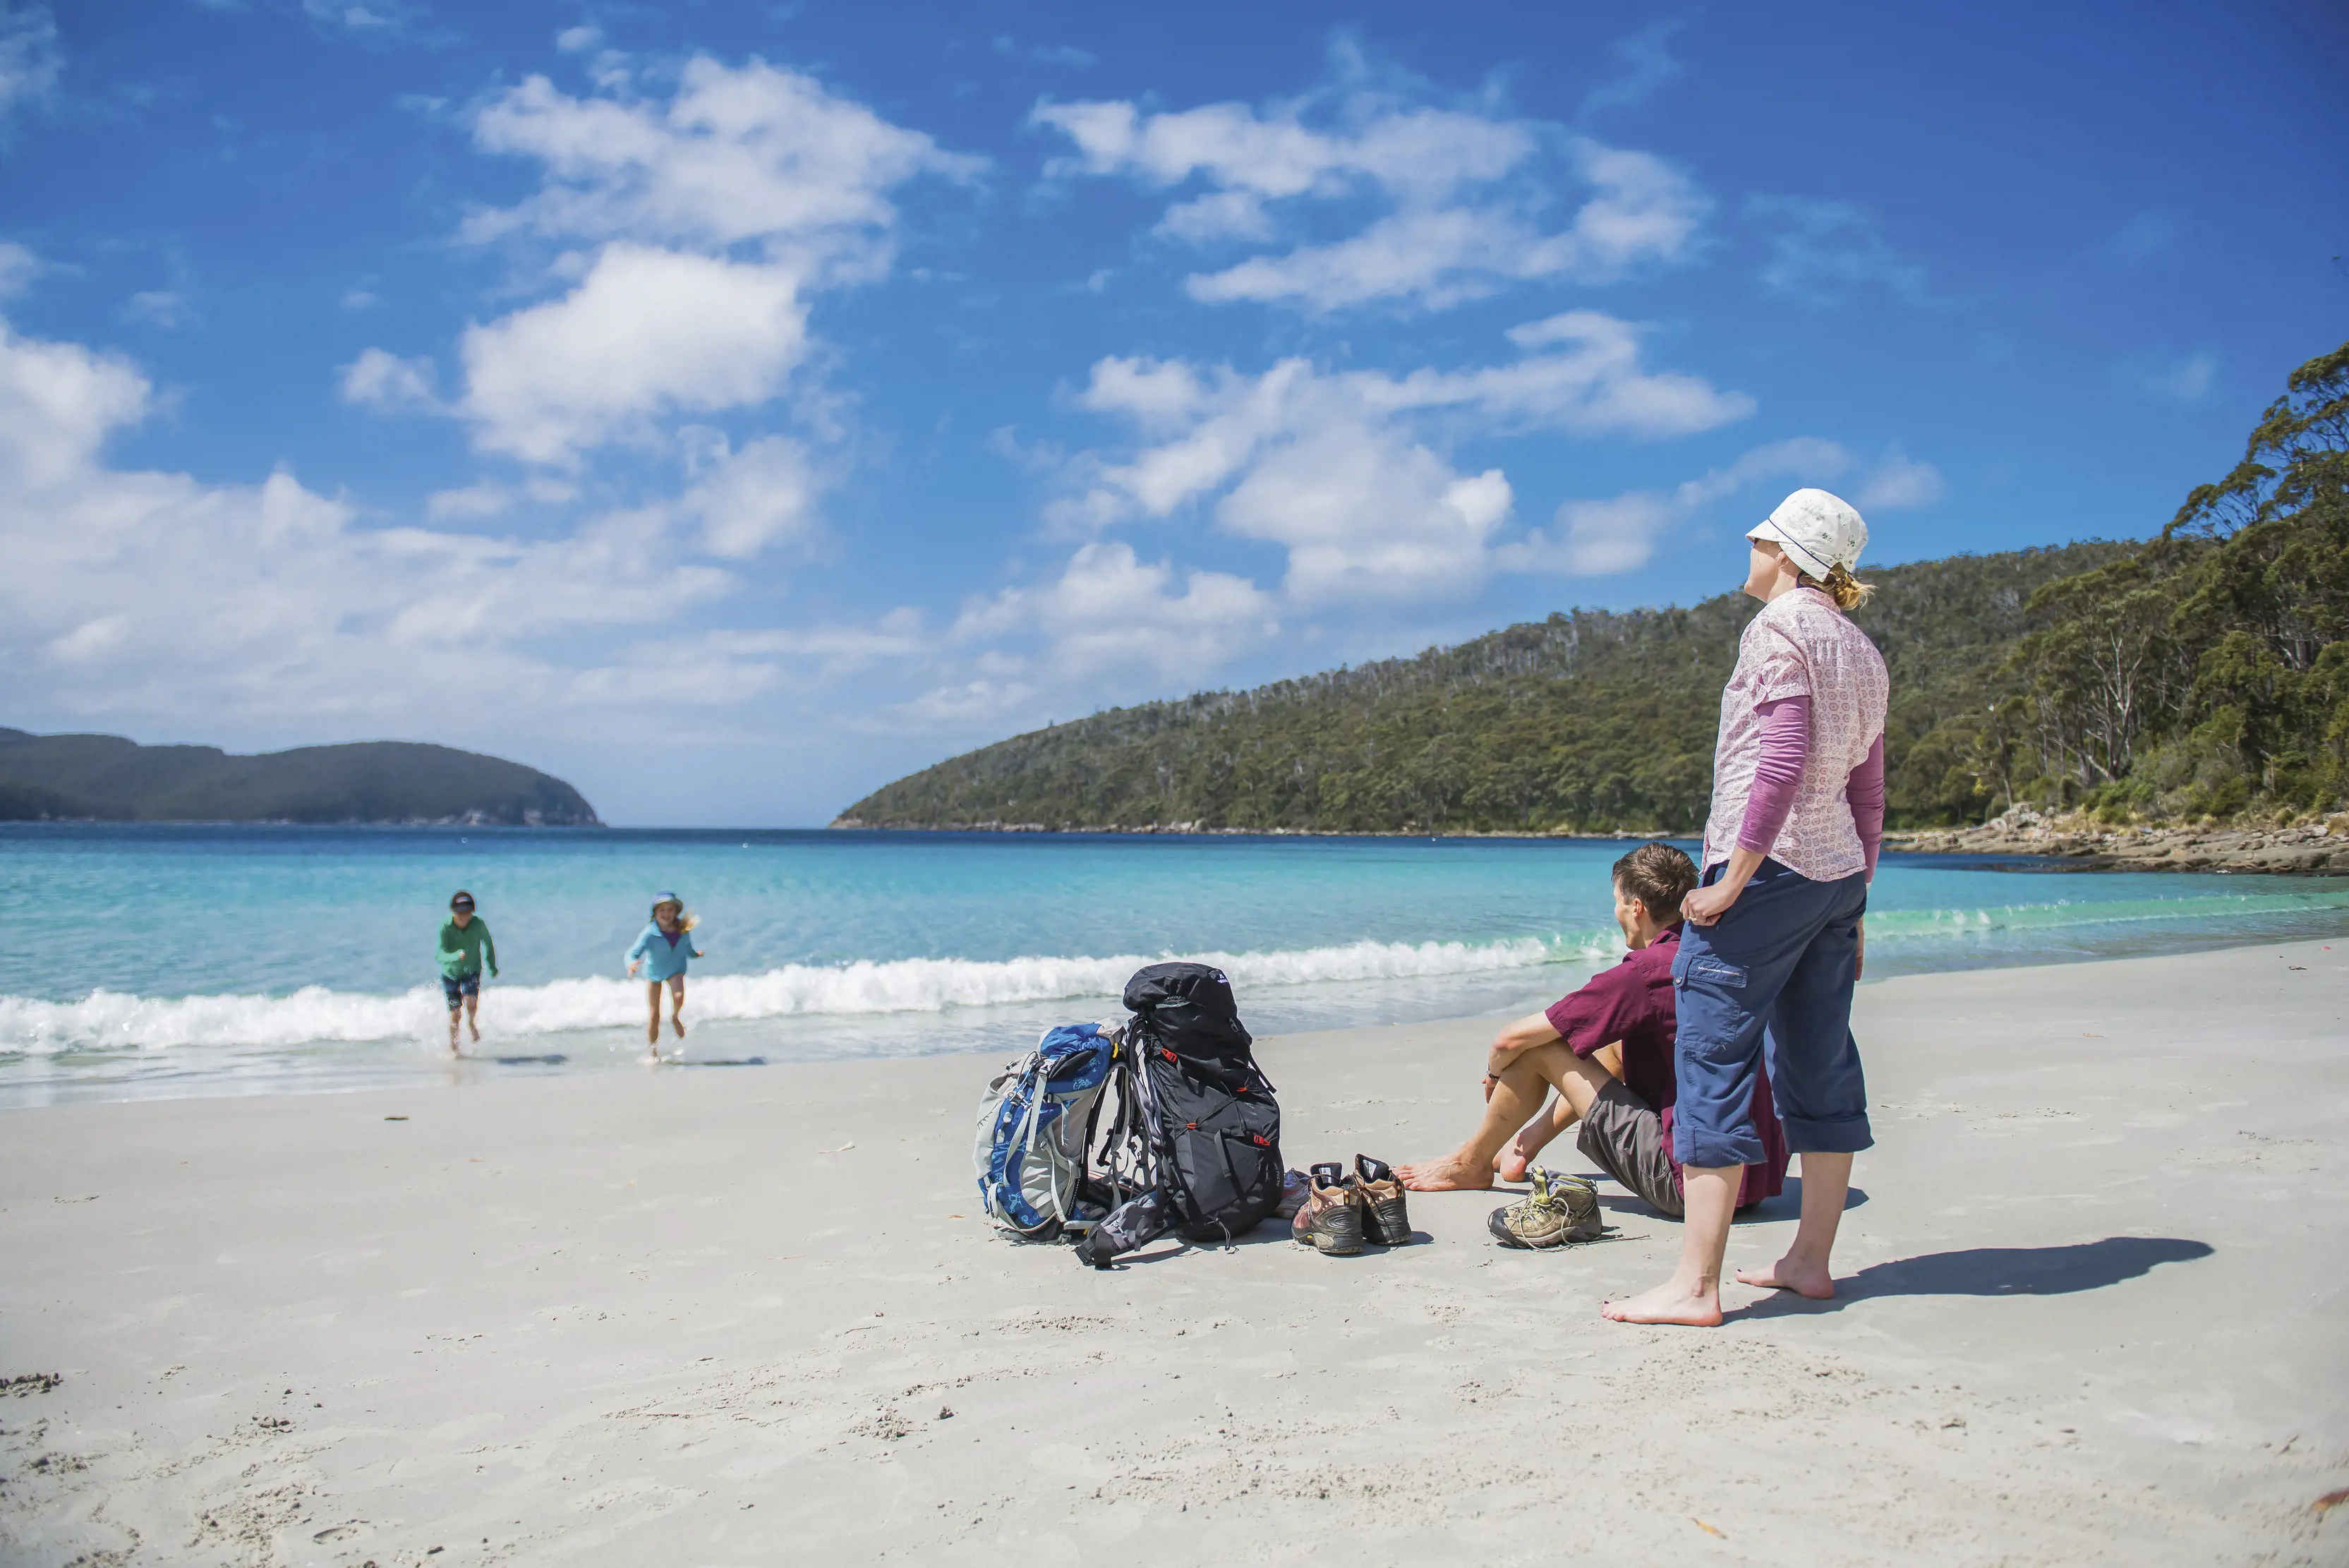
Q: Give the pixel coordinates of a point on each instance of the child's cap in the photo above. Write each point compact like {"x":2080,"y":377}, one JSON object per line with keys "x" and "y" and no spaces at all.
{"x":463,"y":901}
{"x":660,"y":898}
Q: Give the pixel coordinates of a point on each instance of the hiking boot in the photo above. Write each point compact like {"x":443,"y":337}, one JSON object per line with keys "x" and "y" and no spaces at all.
{"x":1385,"y":1222}
{"x":1332,"y":1219}
{"x":1560,"y":1210}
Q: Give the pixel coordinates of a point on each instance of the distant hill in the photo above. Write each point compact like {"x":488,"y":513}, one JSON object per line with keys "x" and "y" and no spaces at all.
{"x":2199,"y":676}
{"x":1591,"y":721}
{"x":108,"y":779}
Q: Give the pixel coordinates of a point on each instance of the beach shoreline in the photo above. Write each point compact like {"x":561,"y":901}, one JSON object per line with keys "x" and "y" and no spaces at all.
{"x":2309,"y":850}
{"x":2091,"y":1306}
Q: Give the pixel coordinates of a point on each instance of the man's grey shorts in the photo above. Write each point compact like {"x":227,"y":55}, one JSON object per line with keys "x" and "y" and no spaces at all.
{"x":1624,"y":1137}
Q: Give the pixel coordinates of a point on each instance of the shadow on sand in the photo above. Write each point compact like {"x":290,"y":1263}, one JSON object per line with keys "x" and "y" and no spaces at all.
{"x":1787,"y":1205}
{"x":2000,"y":1271}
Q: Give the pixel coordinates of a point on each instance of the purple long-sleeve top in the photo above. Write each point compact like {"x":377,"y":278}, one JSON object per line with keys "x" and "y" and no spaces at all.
{"x":1785,"y":749}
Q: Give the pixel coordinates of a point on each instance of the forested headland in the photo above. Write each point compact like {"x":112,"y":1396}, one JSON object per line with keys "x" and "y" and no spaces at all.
{"x":106,"y":778}
{"x":2200,"y":673}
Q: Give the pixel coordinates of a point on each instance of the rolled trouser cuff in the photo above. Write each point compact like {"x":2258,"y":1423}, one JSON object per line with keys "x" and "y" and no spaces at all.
{"x":1701,"y":1146}
{"x":1824,"y":1135}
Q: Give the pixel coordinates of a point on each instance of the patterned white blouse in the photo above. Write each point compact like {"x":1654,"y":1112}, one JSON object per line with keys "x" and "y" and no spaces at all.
{"x":1800,"y":645}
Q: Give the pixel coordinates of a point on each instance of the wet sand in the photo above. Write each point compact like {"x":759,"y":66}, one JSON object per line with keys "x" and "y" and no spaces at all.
{"x":2095,"y":1309}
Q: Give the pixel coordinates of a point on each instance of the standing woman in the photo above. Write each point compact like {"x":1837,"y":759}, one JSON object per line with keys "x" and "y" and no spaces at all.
{"x":664,"y":945}
{"x":1774,"y":940}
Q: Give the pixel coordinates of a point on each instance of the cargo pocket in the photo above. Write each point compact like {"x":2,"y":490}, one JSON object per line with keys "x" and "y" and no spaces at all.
{"x":1709,"y":971}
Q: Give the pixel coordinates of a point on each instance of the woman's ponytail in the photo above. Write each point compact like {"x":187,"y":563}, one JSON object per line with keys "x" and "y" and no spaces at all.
{"x":1847,"y":591}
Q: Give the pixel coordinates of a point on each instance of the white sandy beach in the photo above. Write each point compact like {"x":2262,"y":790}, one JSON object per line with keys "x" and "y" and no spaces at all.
{"x":2094,"y":1311}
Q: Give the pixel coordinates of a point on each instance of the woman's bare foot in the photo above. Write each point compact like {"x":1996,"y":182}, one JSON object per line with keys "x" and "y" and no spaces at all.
{"x":1671,"y":1302}
{"x":1808,"y":1280}
{"x":1450,"y":1174}
{"x":678,"y":1024}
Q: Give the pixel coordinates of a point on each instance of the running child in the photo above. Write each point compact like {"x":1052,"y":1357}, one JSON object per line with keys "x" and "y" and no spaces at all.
{"x":464,"y":939}
{"x":664,"y":946}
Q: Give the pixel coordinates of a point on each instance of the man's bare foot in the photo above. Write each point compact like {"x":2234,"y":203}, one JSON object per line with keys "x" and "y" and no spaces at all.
{"x":1811,"y":1281}
{"x":476,"y":1029}
{"x":1450,"y":1174}
{"x":1671,"y":1301}
{"x":1515,"y":1160}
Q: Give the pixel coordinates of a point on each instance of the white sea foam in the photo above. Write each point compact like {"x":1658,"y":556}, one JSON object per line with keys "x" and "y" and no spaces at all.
{"x":113,"y":1021}
{"x":2065,"y":913}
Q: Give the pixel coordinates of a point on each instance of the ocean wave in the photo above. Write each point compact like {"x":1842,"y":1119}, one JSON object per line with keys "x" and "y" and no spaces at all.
{"x":115,"y":1021}
{"x":1914,"y":924}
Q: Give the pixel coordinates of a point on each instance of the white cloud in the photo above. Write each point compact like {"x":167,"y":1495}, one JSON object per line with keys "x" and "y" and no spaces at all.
{"x":161,"y":308}
{"x":469,"y":501}
{"x":1899,"y":481}
{"x":736,"y":155}
{"x":646,"y":334}
{"x":18,"y":268}
{"x":1469,"y":195}
{"x":708,"y":218}
{"x":754,"y":498}
{"x":964,"y":705}
{"x":30,"y":60}
{"x":1346,"y":470}
{"x":383,"y":381}
{"x":830,"y":649}
{"x":1642,"y":65}
{"x":1442,"y":255}
{"x":138,"y":596}
{"x":2186,"y":381}
{"x":1821,"y":251}
{"x":1110,"y":614}
{"x":382,"y":19}
{"x":1622,"y":533}
{"x":1046,"y":54}
{"x":577,"y":40}
{"x":58,"y":402}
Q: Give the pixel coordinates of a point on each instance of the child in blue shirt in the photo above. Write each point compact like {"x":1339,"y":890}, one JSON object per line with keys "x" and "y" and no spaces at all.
{"x":661,"y":952}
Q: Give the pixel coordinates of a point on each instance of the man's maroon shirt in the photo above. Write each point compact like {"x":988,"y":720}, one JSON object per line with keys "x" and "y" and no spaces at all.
{"x":1632,"y":1003}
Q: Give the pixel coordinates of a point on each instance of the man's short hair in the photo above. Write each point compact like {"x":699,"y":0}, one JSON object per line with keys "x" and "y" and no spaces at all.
{"x":1660,"y":877}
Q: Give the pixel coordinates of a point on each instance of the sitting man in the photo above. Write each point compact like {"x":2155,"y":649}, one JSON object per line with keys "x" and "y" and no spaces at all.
{"x":1624,"y":1107}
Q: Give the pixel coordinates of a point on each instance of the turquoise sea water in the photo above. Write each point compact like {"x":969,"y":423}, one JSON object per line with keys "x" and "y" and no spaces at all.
{"x":164,"y":961}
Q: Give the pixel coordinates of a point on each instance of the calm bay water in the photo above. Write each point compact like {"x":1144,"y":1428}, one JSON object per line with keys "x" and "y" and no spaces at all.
{"x":171,"y":960}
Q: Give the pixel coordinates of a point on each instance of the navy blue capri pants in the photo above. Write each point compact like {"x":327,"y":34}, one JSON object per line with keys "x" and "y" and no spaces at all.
{"x":1771,"y":978}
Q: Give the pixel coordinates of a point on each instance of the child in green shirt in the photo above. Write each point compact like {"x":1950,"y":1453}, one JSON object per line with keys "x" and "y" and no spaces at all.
{"x":464,"y":939}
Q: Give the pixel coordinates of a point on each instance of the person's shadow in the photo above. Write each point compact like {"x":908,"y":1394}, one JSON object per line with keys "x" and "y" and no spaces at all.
{"x":2000,"y":1271}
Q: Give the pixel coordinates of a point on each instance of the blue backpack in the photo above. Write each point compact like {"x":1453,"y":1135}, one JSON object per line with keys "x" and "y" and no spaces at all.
{"x":1035,"y":1131}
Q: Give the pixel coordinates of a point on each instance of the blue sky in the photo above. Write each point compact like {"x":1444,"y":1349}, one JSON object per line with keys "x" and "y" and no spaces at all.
{"x":731,"y":408}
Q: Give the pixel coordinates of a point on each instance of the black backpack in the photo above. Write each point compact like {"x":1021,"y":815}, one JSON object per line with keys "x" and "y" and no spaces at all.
{"x":1197,"y":1134}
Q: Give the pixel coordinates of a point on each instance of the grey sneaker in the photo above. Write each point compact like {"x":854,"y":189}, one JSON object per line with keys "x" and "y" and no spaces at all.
{"x":1561,"y":1209}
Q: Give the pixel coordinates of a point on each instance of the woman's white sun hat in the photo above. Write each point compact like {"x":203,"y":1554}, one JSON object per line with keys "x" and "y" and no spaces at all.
{"x":1819,"y":532}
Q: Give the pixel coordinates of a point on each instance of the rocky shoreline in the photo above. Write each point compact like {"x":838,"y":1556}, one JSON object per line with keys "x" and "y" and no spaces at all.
{"x":2307,"y":849}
